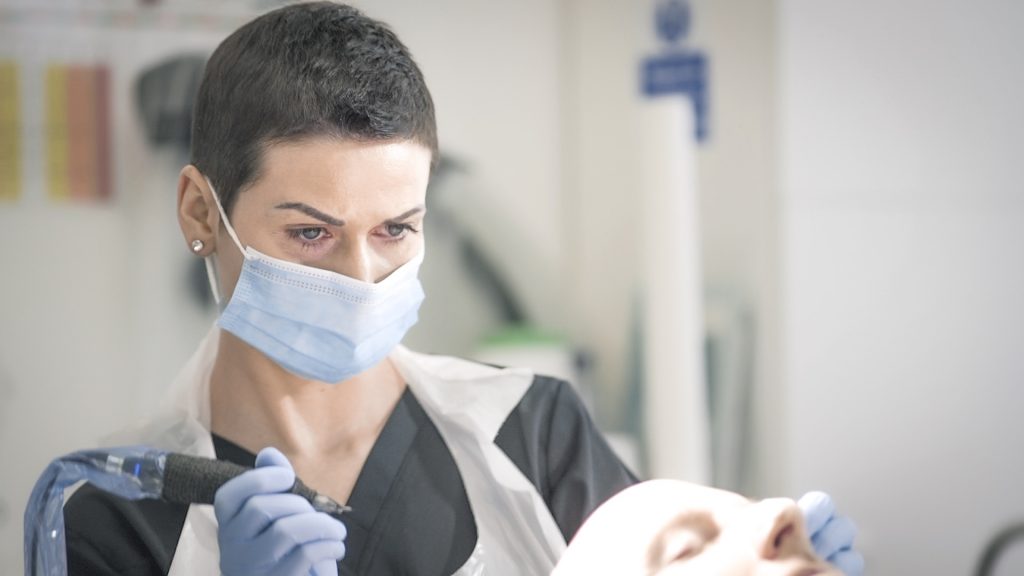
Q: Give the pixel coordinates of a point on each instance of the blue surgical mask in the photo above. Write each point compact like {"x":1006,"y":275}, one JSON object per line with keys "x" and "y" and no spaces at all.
{"x":315,"y":323}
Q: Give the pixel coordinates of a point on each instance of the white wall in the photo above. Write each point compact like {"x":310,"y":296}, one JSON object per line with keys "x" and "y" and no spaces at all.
{"x":738,"y":182}
{"x":904,"y":269}
{"x":601,"y":44}
{"x":604,"y":42}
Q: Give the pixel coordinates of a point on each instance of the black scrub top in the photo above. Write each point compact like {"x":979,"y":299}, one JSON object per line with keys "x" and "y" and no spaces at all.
{"x":410,"y":513}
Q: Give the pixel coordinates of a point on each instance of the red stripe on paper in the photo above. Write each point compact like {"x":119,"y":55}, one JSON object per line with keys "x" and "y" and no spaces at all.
{"x":103,"y":159}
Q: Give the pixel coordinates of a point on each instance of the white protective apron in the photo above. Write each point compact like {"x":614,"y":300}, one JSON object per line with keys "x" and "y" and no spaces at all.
{"x":467,"y":402}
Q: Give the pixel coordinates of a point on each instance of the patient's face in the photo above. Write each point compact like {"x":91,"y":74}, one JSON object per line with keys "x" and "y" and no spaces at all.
{"x":673,"y":528}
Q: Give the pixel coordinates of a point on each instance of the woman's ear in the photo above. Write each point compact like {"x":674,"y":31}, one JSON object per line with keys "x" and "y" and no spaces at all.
{"x":197,"y":212}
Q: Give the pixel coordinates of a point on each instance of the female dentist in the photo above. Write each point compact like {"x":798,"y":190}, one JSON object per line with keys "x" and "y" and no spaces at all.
{"x":313,"y":140}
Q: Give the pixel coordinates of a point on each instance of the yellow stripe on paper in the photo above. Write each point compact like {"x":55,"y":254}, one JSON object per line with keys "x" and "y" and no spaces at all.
{"x":57,"y":131}
{"x":10,"y":132}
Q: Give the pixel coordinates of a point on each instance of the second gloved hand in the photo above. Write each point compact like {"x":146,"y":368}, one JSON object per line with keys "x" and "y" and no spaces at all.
{"x":264,"y":530}
{"x":831,"y":534}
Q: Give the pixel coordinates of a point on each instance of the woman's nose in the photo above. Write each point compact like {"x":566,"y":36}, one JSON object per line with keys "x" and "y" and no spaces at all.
{"x":356,"y":262}
{"x":780,"y":531}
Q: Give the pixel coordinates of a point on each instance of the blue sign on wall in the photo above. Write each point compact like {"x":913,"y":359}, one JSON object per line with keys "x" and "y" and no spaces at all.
{"x":678,"y":70}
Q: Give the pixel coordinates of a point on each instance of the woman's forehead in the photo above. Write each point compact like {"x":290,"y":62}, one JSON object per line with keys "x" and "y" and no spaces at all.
{"x":342,"y":175}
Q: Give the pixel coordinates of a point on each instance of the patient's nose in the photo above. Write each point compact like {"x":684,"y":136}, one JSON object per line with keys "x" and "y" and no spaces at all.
{"x":779,"y":528}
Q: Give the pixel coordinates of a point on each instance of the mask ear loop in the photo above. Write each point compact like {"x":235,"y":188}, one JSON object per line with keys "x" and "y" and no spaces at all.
{"x":211,"y":271}
{"x":214,"y":280}
{"x":224,"y":216}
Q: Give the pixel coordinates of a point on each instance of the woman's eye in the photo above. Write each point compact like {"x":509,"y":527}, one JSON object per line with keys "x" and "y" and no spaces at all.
{"x":396,"y":230}
{"x":309,"y":237}
{"x":311,"y":234}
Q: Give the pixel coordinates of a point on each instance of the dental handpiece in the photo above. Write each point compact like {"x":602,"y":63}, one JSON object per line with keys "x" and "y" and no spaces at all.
{"x":134,"y":473}
{"x":195,"y":480}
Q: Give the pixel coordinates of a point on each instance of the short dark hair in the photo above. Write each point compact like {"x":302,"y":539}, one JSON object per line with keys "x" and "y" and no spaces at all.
{"x":305,"y":70}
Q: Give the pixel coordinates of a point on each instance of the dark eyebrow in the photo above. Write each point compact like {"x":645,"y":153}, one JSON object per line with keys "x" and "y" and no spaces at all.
{"x":406,"y":214}
{"x":310,"y":211}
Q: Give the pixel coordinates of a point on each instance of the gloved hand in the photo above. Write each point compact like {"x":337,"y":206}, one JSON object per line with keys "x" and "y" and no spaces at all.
{"x":264,"y":530}
{"x":832,"y":535}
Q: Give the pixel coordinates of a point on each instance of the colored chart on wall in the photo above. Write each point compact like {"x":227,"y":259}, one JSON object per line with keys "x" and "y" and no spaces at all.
{"x":77,"y":133}
{"x":10,"y":131}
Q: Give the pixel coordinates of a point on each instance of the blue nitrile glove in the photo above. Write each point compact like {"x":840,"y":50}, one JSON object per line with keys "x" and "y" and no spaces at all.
{"x":831,"y":534}
{"x":265,"y":530}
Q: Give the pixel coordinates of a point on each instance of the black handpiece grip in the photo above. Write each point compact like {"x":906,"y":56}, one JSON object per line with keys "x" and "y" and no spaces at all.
{"x":195,"y":480}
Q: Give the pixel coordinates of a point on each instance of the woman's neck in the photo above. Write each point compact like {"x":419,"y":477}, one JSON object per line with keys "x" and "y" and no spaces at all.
{"x":256,"y":403}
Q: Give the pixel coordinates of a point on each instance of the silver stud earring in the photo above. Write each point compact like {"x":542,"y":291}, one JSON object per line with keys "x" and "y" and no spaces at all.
{"x":197,"y":246}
